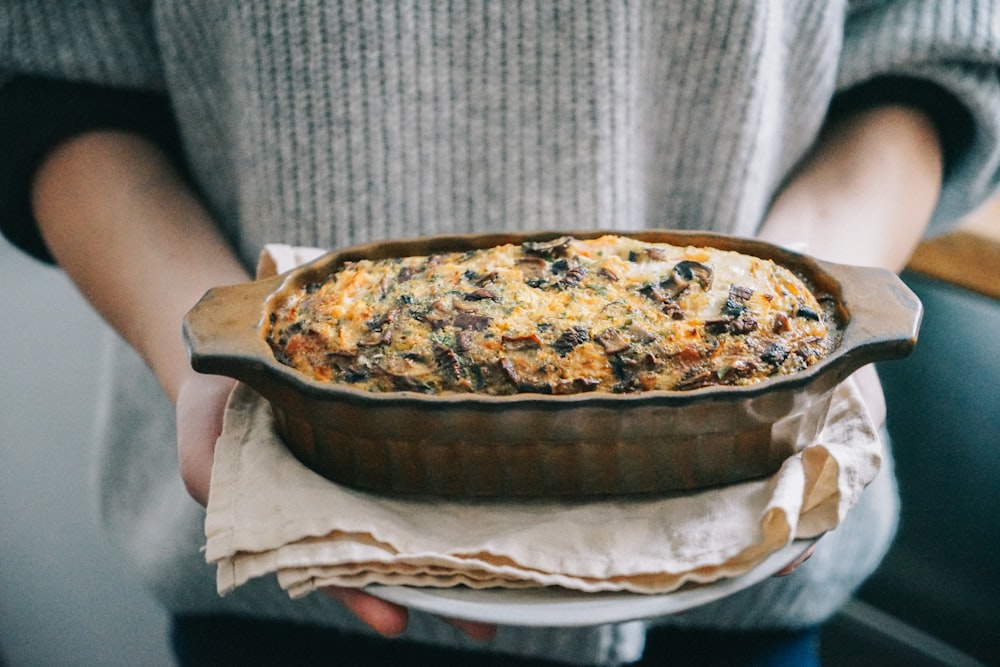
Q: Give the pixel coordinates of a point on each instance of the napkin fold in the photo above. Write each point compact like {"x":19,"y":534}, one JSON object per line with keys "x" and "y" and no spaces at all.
{"x":269,"y":514}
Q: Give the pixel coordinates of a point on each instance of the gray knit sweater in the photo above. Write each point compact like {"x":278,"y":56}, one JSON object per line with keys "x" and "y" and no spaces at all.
{"x":333,"y":123}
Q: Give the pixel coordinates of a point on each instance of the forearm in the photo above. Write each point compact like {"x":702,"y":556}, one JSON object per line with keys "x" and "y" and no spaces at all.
{"x":132,"y":236}
{"x":865,"y":194}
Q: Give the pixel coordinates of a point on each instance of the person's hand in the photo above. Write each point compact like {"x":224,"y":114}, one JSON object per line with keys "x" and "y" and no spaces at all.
{"x":389,"y":619}
{"x":200,"y":404}
{"x":801,"y":558}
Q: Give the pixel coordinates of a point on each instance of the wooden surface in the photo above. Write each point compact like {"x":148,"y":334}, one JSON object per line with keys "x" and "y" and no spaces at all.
{"x":968,"y":257}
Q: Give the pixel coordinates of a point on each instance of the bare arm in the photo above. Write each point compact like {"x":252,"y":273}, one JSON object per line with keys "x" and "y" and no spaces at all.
{"x":864,"y":196}
{"x":866,"y":193}
{"x":142,"y":249}
{"x":129,"y":233}
{"x":122,"y":223}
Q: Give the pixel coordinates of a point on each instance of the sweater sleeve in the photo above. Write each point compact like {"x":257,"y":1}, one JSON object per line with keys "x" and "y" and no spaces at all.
{"x":36,"y":114}
{"x":942,"y":56}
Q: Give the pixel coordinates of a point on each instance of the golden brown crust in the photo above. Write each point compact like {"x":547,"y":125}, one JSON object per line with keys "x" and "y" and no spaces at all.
{"x":566,"y":316}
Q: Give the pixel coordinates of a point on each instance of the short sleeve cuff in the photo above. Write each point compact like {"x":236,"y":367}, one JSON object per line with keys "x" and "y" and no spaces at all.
{"x":37,"y":114}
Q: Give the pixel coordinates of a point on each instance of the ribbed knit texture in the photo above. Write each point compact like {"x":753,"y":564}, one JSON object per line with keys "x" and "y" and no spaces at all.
{"x":102,"y":42}
{"x":335,"y":123}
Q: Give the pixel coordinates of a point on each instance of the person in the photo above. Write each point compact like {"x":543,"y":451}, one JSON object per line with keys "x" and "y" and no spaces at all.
{"x":151,"y":149}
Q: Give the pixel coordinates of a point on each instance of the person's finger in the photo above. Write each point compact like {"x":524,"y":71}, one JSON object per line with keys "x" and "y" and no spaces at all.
{"x":803,"y":557}
{"x":201,"y":402}
{"x":482,"y":632}
{"x":383,"y":617}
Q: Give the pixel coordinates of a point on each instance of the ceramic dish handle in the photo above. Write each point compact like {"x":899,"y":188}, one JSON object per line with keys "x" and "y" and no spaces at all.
{"x":885,"y":314}
{"x":223,"y":330}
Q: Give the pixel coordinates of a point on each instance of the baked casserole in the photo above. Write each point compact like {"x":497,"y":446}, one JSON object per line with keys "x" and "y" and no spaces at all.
{"x":568,"y":365}
{"x":564,"y":316}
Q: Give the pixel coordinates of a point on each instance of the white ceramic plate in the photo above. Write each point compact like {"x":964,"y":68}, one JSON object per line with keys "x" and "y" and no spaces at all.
{"x":557,"y":607}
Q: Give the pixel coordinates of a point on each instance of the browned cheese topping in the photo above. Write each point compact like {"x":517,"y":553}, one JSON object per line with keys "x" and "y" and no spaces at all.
{"x":611,"y":314}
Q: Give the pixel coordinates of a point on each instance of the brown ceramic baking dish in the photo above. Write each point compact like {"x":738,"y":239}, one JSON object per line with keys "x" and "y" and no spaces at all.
{"x":533,"y":445}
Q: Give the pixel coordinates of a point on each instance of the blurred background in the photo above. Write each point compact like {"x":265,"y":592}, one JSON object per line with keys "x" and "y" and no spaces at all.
{"x":67,"y":599}
{"x":936,"y":598}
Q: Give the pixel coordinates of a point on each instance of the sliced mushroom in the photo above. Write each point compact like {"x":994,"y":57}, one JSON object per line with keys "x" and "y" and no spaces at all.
{"x":357,"y":373}
{"x":775,"y":354}
{"x":780,"y":323}
{"x":735,"y":304}
{"x":437,"y":317}
{"x":507,"y":366}
{"x":744,"y":323}
{"x":654,"y":292}
{"x":533,"y":268}
{"x":573,"y":277}
{"x":673,"y":309}
{"x":807,"y":313}
{"x":612,"y":341}
{"x":376,"y":337}
{"x":481,"y":294}
{"x":607,"y":273}
{"x":647,"y":254}
{"x":669,"y":306}
{"x":690,"y":270}
{"x":732,"y":373}
{"x":641,"y":333}
{"x":448,"y":361}
{"x":463,"y":341}
{"x":471,"y":321}
{"x":683,"y":274}
{"x":554,"y":248}
{"x":569,"y":339}
{"x":697,"y":379}
{"x":529,"y":342}
{"x":384,"y":321}
{"x":406,"y":273}
{"x":574,"y":386}
{"x":488,"y":278}
{"x":740,"y":293}
{"x":465,"y":306}
{"x":405,"y":374}
{"x":656,"y":254}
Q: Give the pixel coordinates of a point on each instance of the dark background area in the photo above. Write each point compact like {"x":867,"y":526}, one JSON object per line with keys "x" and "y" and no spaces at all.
{"x":939,"y":587}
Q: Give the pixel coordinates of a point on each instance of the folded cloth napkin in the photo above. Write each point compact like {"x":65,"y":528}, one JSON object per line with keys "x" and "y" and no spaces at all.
{"x":267,"y":513}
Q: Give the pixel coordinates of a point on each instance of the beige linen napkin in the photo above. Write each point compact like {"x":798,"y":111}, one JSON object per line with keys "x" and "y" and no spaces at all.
{"x":267,"y":514}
